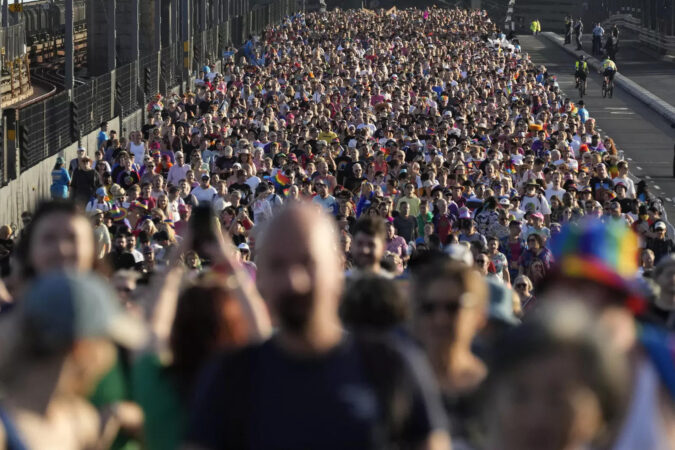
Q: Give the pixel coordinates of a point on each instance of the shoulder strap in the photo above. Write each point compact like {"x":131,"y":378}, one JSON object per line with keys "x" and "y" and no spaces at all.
{"x":13,"y":437}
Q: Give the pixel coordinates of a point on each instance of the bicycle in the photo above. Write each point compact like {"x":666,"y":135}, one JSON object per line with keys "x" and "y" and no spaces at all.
{"x":582,"y":88}
{"x":607,"y":88}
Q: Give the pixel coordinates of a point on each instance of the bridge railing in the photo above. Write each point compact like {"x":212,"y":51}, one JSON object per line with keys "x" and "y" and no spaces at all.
{"x":46,"y":127}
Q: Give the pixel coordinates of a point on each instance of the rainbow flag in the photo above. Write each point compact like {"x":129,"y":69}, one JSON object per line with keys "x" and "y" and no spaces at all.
{"x":281,"y":179}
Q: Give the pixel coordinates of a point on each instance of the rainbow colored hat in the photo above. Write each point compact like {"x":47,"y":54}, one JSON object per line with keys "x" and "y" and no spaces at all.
{"x":606,"y":253}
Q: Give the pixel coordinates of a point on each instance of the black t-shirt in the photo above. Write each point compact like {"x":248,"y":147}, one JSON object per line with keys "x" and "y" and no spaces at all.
{"x":264,"y":398}
{"x":188,"y":149}
{"x":597,"y":183}
{"x":353,"y":183}
{"x":628,"y":205}
{"x":145,"y":129}
{"x":244,"y":188}
{"x":406,"y":227}
{"x":224,"y":162}
{"x":343,"y":164}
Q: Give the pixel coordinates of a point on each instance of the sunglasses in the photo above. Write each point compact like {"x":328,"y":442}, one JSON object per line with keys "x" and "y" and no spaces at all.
{"x":521,"y":285}
{"x":451,"y":307}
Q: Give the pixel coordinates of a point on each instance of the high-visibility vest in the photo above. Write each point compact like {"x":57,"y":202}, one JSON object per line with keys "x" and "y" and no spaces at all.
{"x":584,"y":66}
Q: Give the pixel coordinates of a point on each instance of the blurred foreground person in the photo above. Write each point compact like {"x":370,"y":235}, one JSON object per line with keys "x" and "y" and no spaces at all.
{"x":57,"y":344}
{"x":219,"y":311}
{"x":597,"y":263}
{"x":46,"y":247}
{"x":450,"y":306}
{"x":312,"y":385}
{"x":372,"y":302}
{"x":555,"y":384}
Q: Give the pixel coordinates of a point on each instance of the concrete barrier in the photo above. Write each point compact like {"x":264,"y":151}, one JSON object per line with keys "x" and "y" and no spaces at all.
{"x":658,"y":105}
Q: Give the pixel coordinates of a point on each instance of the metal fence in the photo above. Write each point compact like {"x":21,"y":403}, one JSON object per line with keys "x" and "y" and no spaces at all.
{"x":45,"y":129}
{"x":13,"y":41}
{"x":48,"y":126}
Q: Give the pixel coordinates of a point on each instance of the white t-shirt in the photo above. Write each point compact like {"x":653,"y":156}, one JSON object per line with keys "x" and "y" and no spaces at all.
{"x":138,"y":151}
{"x":538,"y":202}
{"x":204,"y":195}
{"x":253,"y":182}
{"x":630,"y":186}
{"x":550,"y":192}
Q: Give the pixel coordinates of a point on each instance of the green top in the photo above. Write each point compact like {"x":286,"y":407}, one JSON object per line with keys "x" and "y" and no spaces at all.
{"x":114,"y":387}
{"x":157,"y":395}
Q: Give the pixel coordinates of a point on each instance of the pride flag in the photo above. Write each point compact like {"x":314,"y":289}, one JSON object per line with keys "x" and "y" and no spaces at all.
{"x":281,"y":179}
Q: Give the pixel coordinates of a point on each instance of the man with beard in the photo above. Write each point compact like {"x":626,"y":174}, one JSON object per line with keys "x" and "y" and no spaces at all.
{"x":312,"y":385}
{"x":368,"y":246}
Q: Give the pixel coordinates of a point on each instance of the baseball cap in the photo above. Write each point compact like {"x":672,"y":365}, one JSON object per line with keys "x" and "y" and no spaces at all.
{"x":100,"y":191}
{"x":460,"y":253}
{"x":538,"y":215}
{"x":659,"y":225}
{"x":81,"y":149}
{"x":464,"y":213}
{"x":244,"y":247}
{"x":94,"y":212}
{"x":63,"y":307}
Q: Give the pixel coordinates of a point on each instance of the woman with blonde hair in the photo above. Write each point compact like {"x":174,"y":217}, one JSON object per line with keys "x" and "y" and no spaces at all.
{"x":523,"y":287}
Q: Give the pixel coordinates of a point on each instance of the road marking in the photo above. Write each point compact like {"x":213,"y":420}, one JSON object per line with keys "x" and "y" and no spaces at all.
{"x":616,"y":107}
{"x":647,"y":177}
{"x":622,"y":112}
{"x":638,"y":167}
{"x":668,"y":199}
{"x":657,"y":188}
{"x":629,"y":159}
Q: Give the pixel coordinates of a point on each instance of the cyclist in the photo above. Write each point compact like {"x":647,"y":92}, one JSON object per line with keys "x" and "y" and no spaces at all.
{"x":608,"y":69}
{"x":580,"y":70}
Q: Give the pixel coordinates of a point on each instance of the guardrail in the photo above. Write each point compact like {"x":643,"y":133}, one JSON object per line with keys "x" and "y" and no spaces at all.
{"x":652,"y":38}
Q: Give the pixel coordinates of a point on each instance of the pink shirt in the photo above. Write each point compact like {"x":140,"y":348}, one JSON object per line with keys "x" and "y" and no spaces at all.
{"x":398,"y":246}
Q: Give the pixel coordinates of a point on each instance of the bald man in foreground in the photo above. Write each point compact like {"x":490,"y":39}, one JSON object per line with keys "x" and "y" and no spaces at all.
{"x":312,"y":385}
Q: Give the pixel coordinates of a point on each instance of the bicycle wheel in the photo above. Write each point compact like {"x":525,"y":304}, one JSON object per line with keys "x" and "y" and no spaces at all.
{"x":604,"y":89}
{"x":581,"y":90}
{"x":611,"y":89}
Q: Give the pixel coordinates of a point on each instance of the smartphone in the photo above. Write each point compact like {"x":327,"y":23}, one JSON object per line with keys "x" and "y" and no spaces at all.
{"x":203,"y":231}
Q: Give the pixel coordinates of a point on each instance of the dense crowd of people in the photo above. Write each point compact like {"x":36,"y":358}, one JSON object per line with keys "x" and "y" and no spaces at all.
{"x":367,"y":229}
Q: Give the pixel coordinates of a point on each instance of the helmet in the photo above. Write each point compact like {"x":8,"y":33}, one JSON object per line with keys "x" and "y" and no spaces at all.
{"x":582,"y":57}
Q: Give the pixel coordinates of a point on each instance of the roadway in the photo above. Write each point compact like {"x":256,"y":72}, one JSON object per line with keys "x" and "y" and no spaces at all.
{"x":645,"y":138}
{"x":641,"y":66}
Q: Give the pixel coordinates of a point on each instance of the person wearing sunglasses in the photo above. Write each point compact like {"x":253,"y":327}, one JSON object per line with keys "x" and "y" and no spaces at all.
{"x":523,"y":286}
{"x":449,"y":309}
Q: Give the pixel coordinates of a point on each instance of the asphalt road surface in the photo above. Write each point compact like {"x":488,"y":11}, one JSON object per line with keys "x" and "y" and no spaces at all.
{"x":644,"y":68}
{"x":646,"y":139}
